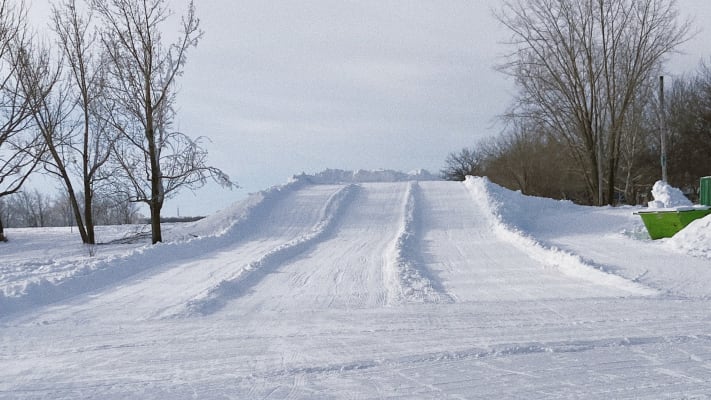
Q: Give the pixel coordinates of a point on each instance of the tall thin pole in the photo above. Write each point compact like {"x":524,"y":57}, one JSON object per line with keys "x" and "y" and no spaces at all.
{"x":663,"y":128}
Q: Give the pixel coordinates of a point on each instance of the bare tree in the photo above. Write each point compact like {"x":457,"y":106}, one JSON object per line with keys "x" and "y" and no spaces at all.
{"x":689,"y":111}
{"x":458,"y":166}
{"x":77,"y":140}
{"x":579,"y":66}
{"x":20,"y":148}
{"x":116,"y":210}
{"x":152,"y":159}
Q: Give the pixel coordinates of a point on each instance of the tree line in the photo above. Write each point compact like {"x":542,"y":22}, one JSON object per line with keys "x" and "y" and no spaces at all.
{"x":93,"y":107}
{"x":587,"y":122}
{"x":36,"y":209}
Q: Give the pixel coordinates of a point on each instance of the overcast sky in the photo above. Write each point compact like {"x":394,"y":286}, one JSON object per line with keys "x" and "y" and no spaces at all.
{"x":284,"y":87}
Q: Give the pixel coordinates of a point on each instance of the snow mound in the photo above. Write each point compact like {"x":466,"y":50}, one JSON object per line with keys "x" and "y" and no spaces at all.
{"x":667,"y":196}
{"x":336,"y":176}
{"x":695,"y":239}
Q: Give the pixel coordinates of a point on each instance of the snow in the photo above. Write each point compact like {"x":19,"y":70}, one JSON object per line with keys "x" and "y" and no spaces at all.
{"x":667,"y":196}
{"x":364,"y":284}
{"x":695,"y":239}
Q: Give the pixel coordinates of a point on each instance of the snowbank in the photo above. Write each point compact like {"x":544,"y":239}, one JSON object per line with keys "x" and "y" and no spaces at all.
{"x":512,"y":217}
{"x":667,"y":196}
{"x":227,"y":220}
{"x":336,"y":176}
{"x":695,"y":239}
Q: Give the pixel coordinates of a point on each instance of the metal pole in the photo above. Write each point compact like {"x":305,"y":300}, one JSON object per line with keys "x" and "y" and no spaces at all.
{"x":663,"y":128}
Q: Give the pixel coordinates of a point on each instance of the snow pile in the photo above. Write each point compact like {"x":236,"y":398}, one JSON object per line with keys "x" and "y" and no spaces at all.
{"x":514,"y":217}
{"x":695,"y":239}
{"x":336,"y":176}
{"x":667,"y":196}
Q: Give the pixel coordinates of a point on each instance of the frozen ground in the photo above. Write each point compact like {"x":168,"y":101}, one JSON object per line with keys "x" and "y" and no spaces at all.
{"x":367,"y":285}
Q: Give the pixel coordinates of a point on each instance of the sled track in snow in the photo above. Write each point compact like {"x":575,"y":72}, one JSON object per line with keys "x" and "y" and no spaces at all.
{"x":90,"y":275}
{"x":570,"y":264}
{"x":406,"y":276}
{"x":215,"y":298}
{"x":412,"y":282}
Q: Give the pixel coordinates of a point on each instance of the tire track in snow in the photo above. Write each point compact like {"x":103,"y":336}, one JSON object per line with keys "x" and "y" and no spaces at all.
{"x":500,"y":350}
{"x":408,"y":279}
{"x":216,"y":297}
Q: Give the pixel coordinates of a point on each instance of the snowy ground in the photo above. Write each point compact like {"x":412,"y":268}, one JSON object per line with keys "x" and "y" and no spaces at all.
{"x":368,"y":285}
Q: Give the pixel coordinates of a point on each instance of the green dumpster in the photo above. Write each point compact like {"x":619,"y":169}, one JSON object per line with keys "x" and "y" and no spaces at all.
{"x":666,"y":223}
{"x":705,"y":191}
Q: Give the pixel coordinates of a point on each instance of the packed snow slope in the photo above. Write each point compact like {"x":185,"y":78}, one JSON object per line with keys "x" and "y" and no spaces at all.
{"x":363,"y":285}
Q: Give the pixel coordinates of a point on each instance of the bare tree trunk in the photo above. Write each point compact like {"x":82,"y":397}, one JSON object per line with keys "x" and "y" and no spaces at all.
{"x":76,"y":211}
{"x":156,"y":201}
{"x":88,"y":213}
{"x":156,"y":234}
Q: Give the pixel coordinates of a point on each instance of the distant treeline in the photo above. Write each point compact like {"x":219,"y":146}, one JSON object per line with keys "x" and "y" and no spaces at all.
{"x":170,"y":220}
{"x":34,"y":208}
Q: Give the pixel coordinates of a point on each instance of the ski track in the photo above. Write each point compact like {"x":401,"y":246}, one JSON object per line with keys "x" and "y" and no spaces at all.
{"x":391,"y":290}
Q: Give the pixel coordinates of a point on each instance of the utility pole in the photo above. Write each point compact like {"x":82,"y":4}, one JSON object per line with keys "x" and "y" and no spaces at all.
{"x":663,"y":128}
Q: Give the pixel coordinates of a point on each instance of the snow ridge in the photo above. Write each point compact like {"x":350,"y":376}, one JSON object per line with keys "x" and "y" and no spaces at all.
{"x":336,"y":176}
{"x":407,"y":280}
{"x":216,"y":297}
{"x":89,"y":275}
{"x":568,"y":263}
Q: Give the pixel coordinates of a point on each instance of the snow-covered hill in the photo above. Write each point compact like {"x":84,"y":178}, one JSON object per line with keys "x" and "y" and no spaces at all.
{"x":363,"y":285}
